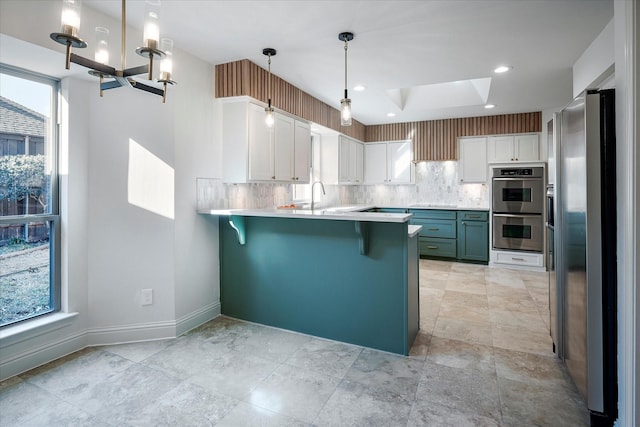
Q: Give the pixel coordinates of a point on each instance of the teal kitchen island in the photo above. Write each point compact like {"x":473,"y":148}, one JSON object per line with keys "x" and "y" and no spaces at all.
{"x":346,"y":276}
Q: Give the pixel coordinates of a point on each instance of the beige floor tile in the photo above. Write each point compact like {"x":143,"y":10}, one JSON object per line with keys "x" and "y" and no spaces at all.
{"x":469,"y":287}
{"x":460,"y":354}
{"x":465,"y":299}
{"x":529,"y":321}
{"x":522,"y":305}
{"x":463,"y":330}
{"x":464,"y":312}
{"x":519,"y":339}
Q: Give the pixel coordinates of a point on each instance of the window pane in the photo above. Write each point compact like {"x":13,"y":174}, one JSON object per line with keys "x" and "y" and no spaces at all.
{"x":26,"y":146}
{"x":25,"y":279}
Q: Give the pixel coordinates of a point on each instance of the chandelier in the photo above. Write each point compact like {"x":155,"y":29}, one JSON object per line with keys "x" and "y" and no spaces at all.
{"x":110,"y":77}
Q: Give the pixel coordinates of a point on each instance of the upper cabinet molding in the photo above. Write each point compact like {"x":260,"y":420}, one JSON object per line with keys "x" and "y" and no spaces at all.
{"x":244,"y":78}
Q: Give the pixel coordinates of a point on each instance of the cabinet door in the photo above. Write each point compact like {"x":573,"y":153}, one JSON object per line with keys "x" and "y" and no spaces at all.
{"x":283,"y":148}
{"x":527,"y":148}
{"x":359,"y":162}
{"x":501,"y":149}
{"x":302,"y":152}
{"x":343,"y":160}
{"x":472,"y":155}
{"x":260,"y":146}
{"x":399,"y":162}
{"x":375,"y":163}
{"x":473,"y":240}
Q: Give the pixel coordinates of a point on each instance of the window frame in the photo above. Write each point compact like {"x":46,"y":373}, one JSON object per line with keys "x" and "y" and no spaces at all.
{"x":53,"y":216}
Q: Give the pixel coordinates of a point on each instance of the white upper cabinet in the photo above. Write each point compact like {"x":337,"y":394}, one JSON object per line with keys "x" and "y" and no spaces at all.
{"x":302,"y":152}
{"x":254,"y":153}
{"x":375,"y":163}
{"x":472,"y":159}
{"x":514,"y":148}
{"x":341,"y":160}
{"x":388,"y":162}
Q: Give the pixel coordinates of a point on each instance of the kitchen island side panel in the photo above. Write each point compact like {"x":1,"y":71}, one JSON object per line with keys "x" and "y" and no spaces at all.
{"x":309,"y":276}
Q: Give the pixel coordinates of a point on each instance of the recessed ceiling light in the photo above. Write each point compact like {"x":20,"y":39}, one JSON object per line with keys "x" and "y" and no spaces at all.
{"x":359,"y":88}
{"x":503,"y":69}
{"x":391,"y":114}
{"x":489,"y":106}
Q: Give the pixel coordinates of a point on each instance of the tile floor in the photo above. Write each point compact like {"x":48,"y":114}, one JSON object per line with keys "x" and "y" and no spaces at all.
{"x":482,"y":358}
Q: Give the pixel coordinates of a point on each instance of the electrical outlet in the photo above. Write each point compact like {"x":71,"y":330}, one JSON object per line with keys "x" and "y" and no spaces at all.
{"x":146,"y":297}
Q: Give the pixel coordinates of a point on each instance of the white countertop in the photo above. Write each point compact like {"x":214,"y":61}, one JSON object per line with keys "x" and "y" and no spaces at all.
{"x":342,"y":213}
{"x":414,"y":229}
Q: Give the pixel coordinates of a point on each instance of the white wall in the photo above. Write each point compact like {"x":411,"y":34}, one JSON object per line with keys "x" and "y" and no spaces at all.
{"x":113,"y":248}
{"x":596,"y":62}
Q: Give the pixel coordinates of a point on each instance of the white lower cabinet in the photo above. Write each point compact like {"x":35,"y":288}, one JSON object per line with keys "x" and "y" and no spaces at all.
{"x":254,"y":153}
{"x":472,"y":159}
{"x":388,"y":162}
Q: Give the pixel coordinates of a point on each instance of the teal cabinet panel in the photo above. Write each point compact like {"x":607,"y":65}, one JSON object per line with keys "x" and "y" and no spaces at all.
{"x":443,"y":229}
{"x":433,"y":213}
{"x":441,"y":248}
{"x":309,"y":276}
{"x":473,"y":241}
{"x":473,"y":215}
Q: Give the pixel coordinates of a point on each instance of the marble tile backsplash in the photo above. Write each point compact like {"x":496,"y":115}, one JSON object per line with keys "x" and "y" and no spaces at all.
{"x":436,"y":183}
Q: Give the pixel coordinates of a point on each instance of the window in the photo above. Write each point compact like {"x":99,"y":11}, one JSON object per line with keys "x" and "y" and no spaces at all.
{"x":29,"y":216}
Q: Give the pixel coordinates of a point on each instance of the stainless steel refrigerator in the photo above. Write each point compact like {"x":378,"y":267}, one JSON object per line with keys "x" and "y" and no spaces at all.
{"x":586,"y":243}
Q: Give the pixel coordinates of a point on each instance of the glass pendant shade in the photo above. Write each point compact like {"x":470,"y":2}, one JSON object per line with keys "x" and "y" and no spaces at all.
{"x":166,"y":66}
{"x":102,"y":45}
{"x":70,"y":18}
{"x":151,"y":36}
{"x":345,"y":112}
{"x":269,"y":120}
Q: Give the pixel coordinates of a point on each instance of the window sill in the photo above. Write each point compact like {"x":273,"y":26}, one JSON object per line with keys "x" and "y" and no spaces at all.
{"x":29,"y":329}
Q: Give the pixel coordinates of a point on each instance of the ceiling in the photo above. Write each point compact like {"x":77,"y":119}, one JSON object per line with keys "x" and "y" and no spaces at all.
{"x":399,"y":48}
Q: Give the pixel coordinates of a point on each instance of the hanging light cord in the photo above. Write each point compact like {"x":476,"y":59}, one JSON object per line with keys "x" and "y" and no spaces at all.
{"x":269,"y":95}
{"x":345,"y":67}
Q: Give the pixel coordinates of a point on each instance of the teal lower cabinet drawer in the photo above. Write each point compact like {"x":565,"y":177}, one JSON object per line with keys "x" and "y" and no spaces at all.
{"x":445,"y":248}
{"x":438,"y":228}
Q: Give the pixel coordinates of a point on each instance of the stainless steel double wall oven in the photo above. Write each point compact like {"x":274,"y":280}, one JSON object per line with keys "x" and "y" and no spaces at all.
{"x":518,"y":204}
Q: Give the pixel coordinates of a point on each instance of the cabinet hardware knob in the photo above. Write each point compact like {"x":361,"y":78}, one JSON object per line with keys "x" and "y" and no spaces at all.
{"x":463,"y":223}
{"x":273,"y":177}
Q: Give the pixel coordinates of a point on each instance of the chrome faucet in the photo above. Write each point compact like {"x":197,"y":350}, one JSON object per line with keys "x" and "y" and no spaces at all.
{"x":312,"y":186}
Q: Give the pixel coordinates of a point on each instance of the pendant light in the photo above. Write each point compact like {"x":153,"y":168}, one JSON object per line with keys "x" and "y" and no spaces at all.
{"x":345,"y":103}
{"x":110,"y":77}
{"x":269,"y":120}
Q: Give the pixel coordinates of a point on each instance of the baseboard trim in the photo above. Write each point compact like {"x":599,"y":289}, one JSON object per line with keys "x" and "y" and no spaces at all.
{"x":43,"y":354}
{"x":197,"y":318}
{"x":50,"y":351}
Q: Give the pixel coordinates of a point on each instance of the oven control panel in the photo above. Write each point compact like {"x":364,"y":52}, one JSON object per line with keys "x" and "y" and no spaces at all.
{"x":535,"y":172}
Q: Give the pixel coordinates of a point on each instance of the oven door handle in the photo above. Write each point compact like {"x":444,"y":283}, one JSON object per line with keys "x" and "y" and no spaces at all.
{"x":516,"y":215}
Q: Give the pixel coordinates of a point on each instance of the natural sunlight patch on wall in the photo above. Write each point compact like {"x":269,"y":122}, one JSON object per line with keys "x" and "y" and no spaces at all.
{"x":151,"y":181}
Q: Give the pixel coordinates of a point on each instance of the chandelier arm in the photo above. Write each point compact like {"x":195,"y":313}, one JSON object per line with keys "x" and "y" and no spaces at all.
{"x":141,"y":86}
{"x":134,"y":71}
{"x":88,"y":63}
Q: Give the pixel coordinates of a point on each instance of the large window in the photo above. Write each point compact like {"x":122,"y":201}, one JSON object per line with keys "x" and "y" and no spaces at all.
{"x":29,"y":216}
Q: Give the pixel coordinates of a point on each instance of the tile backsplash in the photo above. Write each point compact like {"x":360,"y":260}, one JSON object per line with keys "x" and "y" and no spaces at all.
{"x":436,"y":183}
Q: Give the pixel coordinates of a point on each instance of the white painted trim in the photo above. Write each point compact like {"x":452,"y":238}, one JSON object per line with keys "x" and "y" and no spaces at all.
{"x":131,"y":333}
{"x":626,"y":15}
{"x":197,"y":318}
{"x":52,"y":350}
{"x":38,"y":356}
{"x":33,"y":328}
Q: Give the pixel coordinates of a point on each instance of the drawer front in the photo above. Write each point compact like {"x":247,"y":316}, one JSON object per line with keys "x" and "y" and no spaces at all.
{"x":438,"y":247}
{"x":445,"y":229}
{"x":433,"y":214}
{"x":473,"y":215}
{"x":525,"y":259}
